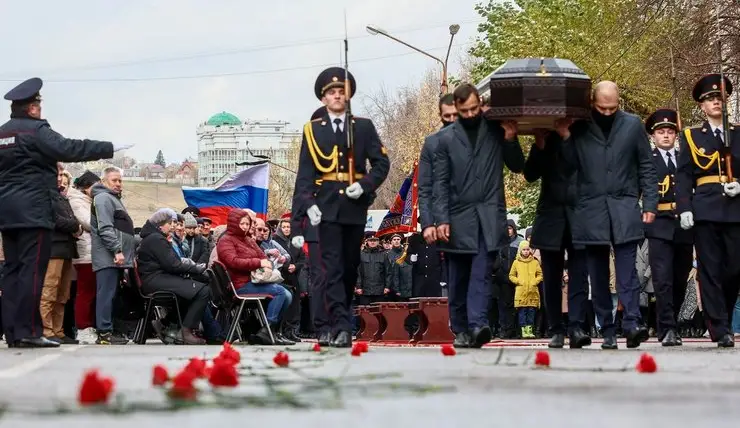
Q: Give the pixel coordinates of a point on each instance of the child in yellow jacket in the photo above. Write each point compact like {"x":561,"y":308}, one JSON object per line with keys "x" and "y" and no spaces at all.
{"x":526,"y":275}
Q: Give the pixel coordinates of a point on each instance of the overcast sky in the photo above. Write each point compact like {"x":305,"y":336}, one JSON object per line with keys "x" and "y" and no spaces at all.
{"x":123,"y":71}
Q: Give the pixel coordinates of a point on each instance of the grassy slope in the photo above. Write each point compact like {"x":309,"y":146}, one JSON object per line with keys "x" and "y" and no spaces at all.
{"x":141,"y":199}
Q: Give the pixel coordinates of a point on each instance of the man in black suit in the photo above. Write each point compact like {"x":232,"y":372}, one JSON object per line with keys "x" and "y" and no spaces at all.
{"x":708,"y":201}
{"x":670,"y":247}
{"x":326,"y":195}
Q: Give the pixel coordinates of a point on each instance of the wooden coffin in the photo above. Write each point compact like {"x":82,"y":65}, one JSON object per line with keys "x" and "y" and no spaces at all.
{"x":536,"y":92}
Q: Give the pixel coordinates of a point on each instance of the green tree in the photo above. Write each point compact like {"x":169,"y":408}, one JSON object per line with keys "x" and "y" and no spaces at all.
{"x":160,"y":159}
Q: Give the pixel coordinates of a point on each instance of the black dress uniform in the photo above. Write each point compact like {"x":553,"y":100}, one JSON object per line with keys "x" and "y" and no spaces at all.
{"x":322,"y":180}
{"x":701,"y":176}
{"x":670,"y":247}
{"x":29,"y":152}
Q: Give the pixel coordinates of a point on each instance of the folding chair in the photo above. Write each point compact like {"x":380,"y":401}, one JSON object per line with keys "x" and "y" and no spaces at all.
{"x":224,"y":281}
{"x":140,"y":334}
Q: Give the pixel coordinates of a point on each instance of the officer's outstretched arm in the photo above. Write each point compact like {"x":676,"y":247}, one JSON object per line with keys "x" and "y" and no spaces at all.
{"x":378,"y":157}
{"x":54,"y":146}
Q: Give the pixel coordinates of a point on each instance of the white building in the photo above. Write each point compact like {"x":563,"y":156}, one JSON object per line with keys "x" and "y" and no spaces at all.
{"x":224,"y":140}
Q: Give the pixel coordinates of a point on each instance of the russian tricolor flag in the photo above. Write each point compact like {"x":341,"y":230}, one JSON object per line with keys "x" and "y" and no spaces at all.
{"x":245,"y":189}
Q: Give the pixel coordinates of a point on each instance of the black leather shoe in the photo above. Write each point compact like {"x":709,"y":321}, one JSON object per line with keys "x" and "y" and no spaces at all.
{"x":610,"y":342}
{"x":578,"y":338}
{"x":343,"y":340}
{"x":282,"y":340}
{"x":726,"y":341}
{"x":480,"y":336}
{"x":557,"y":341}
{"x":325,"y":339}
{"x":290,"y":335}
{"x":636,"y":336}
{"x":671,"y":339}
{"x":36,"y":342}
{"x":462,"y":340}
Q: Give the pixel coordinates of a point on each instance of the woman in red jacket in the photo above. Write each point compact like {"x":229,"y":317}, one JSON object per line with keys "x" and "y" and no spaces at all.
{"x":241,"y":255}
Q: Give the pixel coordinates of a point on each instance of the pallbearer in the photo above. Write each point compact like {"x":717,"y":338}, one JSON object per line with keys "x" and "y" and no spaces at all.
{"x":334,"y":196}
{"x":670,"y":247}
{"x":707,"y":200}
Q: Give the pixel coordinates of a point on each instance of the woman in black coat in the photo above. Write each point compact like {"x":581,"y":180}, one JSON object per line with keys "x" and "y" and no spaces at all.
{"x":161,"y":269}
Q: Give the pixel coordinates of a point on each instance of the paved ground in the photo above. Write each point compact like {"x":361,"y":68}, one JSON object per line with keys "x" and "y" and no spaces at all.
{"x":697,"y":385}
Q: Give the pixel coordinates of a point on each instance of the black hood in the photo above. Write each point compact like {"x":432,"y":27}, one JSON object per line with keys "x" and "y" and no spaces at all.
{"x":149,"y":229}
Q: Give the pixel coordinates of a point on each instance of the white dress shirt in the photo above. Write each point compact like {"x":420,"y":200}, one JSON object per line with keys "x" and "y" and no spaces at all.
{"x":333,"y":116}
{"x":663,"y":153}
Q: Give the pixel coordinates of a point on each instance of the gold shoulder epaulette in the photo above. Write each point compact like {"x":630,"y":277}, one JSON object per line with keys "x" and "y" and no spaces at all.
{"x":317,"y":119}
{"x":697,"y":153}
{"x":315,"y":151}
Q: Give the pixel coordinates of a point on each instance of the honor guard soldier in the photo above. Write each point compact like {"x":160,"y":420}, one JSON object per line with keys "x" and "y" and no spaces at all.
{"x":708,"y":201}
{"x":333,"y":191}
{"x":29,"y":152}
{"x":670,"y":247}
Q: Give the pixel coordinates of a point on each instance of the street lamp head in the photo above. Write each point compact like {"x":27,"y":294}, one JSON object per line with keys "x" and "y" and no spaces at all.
{"x":454,"y":28}
{"x":374,"y":30}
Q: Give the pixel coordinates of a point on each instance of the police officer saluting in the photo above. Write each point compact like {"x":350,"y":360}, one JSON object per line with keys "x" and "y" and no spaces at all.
{"x":708,"y":201}
{"x":333,"y":191}
{"x":29,"y":152}
{"x":670,"y":247}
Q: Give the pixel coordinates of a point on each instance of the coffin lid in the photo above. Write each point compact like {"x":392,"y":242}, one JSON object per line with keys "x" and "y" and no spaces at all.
{"x":533,"y":67}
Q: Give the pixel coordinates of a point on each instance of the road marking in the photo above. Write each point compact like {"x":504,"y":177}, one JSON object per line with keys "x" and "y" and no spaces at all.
{"x":28,"y":367}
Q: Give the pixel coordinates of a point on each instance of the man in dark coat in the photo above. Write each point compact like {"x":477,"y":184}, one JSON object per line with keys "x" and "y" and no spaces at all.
{"x":670,"y":248}
{"x":28,"y":180}
{"x":709,"y":201}
{"x":425,"y":179}
{"x":334,"y":195}
{"x":470,"y":209}
{"x":551,"y":235}
{"x":373,"y":271}
{"x":615,"y":169}
{"x":427,"y":267}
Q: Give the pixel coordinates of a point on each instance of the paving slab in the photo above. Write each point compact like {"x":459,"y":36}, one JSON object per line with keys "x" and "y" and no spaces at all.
{"x":695,"y":385}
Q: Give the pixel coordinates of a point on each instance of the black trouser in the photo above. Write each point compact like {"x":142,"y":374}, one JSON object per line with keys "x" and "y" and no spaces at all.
{"x":333,"y":281}
{"x":506,"y":310}
{"x":717,"y":254}
{"x":292,"y":316}
{"x":27,"y":253}
{"x":670,"y":264}
{"x":197,"y":307}
{"x":553,"y":263}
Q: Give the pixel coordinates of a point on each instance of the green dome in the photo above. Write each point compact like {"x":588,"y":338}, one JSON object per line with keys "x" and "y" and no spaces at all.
{"x":223,"y":118}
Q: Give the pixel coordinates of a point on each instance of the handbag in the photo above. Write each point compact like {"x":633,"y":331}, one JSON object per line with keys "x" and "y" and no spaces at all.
{"x":261,"y":276}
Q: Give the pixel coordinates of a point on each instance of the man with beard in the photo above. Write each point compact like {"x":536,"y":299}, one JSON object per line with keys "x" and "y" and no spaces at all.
{"x":551,"y":234}
{"x":470,"y":210}
{"x":670,"y":248}
{"x":327,"y":196}
{"x":708,"y":201}
{"x":447,"y":114}
{"x":614,"y":166}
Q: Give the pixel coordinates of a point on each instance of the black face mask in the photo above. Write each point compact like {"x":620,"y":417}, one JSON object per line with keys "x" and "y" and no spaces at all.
{"x":445,"y":123}
{"x":602,"y":120}
{"x":470,"y":122}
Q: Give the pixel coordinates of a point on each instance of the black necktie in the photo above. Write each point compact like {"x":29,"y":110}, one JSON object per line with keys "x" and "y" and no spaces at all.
{"x":671,"y":165}
{"x":338,"y":130}
{"x":718,"y":134}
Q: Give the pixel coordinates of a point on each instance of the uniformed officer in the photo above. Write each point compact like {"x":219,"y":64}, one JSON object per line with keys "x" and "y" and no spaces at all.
{"x":29,"y":152}
{"x":670,"y":247}
{"x":707,"y":200}
{"x":333,"y":191}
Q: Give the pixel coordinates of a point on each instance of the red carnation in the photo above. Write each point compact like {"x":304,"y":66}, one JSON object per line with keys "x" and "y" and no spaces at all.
{"x":363,"y":346}
{"x":95,"y":389}
{"x":224,"y":375}
{"x":182,"y":386}
{"x":159,"y":375}
{"x":356,"y":350}
{"x":646,"y":364}
{"x":542,"y":359}
{"x":228,"y":353}
{"x":281,"y":359}
{"x":197,"y":367}
{"x":316,"y":347}
{"x":448,"y":350}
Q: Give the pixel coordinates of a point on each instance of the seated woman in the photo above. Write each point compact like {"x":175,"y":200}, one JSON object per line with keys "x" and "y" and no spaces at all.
{"x":160,"y":269}
{"x":241,"y":255}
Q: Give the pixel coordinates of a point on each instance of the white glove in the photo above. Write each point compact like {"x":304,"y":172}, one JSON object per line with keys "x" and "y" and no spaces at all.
{"x":732,"y":188}
{"x":298,"y":241}
{"x":414,"y":258}
{"x":687,"y":220}
{"x":314,"y":215}
{"x":354,"y":191}
{"x":119,"y":147}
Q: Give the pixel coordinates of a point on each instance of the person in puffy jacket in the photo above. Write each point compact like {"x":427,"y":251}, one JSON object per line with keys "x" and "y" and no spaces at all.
{"x":241,"y":255}
{"x":526,"y":275}
{"x":160,"y":269}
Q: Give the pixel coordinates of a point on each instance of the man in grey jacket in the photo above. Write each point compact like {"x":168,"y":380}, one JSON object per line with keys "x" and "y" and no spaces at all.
{"x":113,"y":246}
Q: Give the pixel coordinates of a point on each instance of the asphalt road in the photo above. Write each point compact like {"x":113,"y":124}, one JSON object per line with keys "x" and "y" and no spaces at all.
{"x":695,"y":385}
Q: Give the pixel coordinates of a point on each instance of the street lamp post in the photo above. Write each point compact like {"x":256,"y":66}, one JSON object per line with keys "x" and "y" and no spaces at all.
{"x":453,"y":30}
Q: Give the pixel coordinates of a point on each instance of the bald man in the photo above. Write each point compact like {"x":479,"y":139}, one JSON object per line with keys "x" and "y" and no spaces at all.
{"x":612,"y":156}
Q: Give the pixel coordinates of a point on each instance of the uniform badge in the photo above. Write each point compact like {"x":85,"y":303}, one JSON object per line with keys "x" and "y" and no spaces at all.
{"x":713,"y":86}
{"x":704,"y":130}
{"x":336,"y":79}
{"x":323,"y":123}
{"x":665,"y":119}
{"x":383,"y":150}
{"x":702,"y":150}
